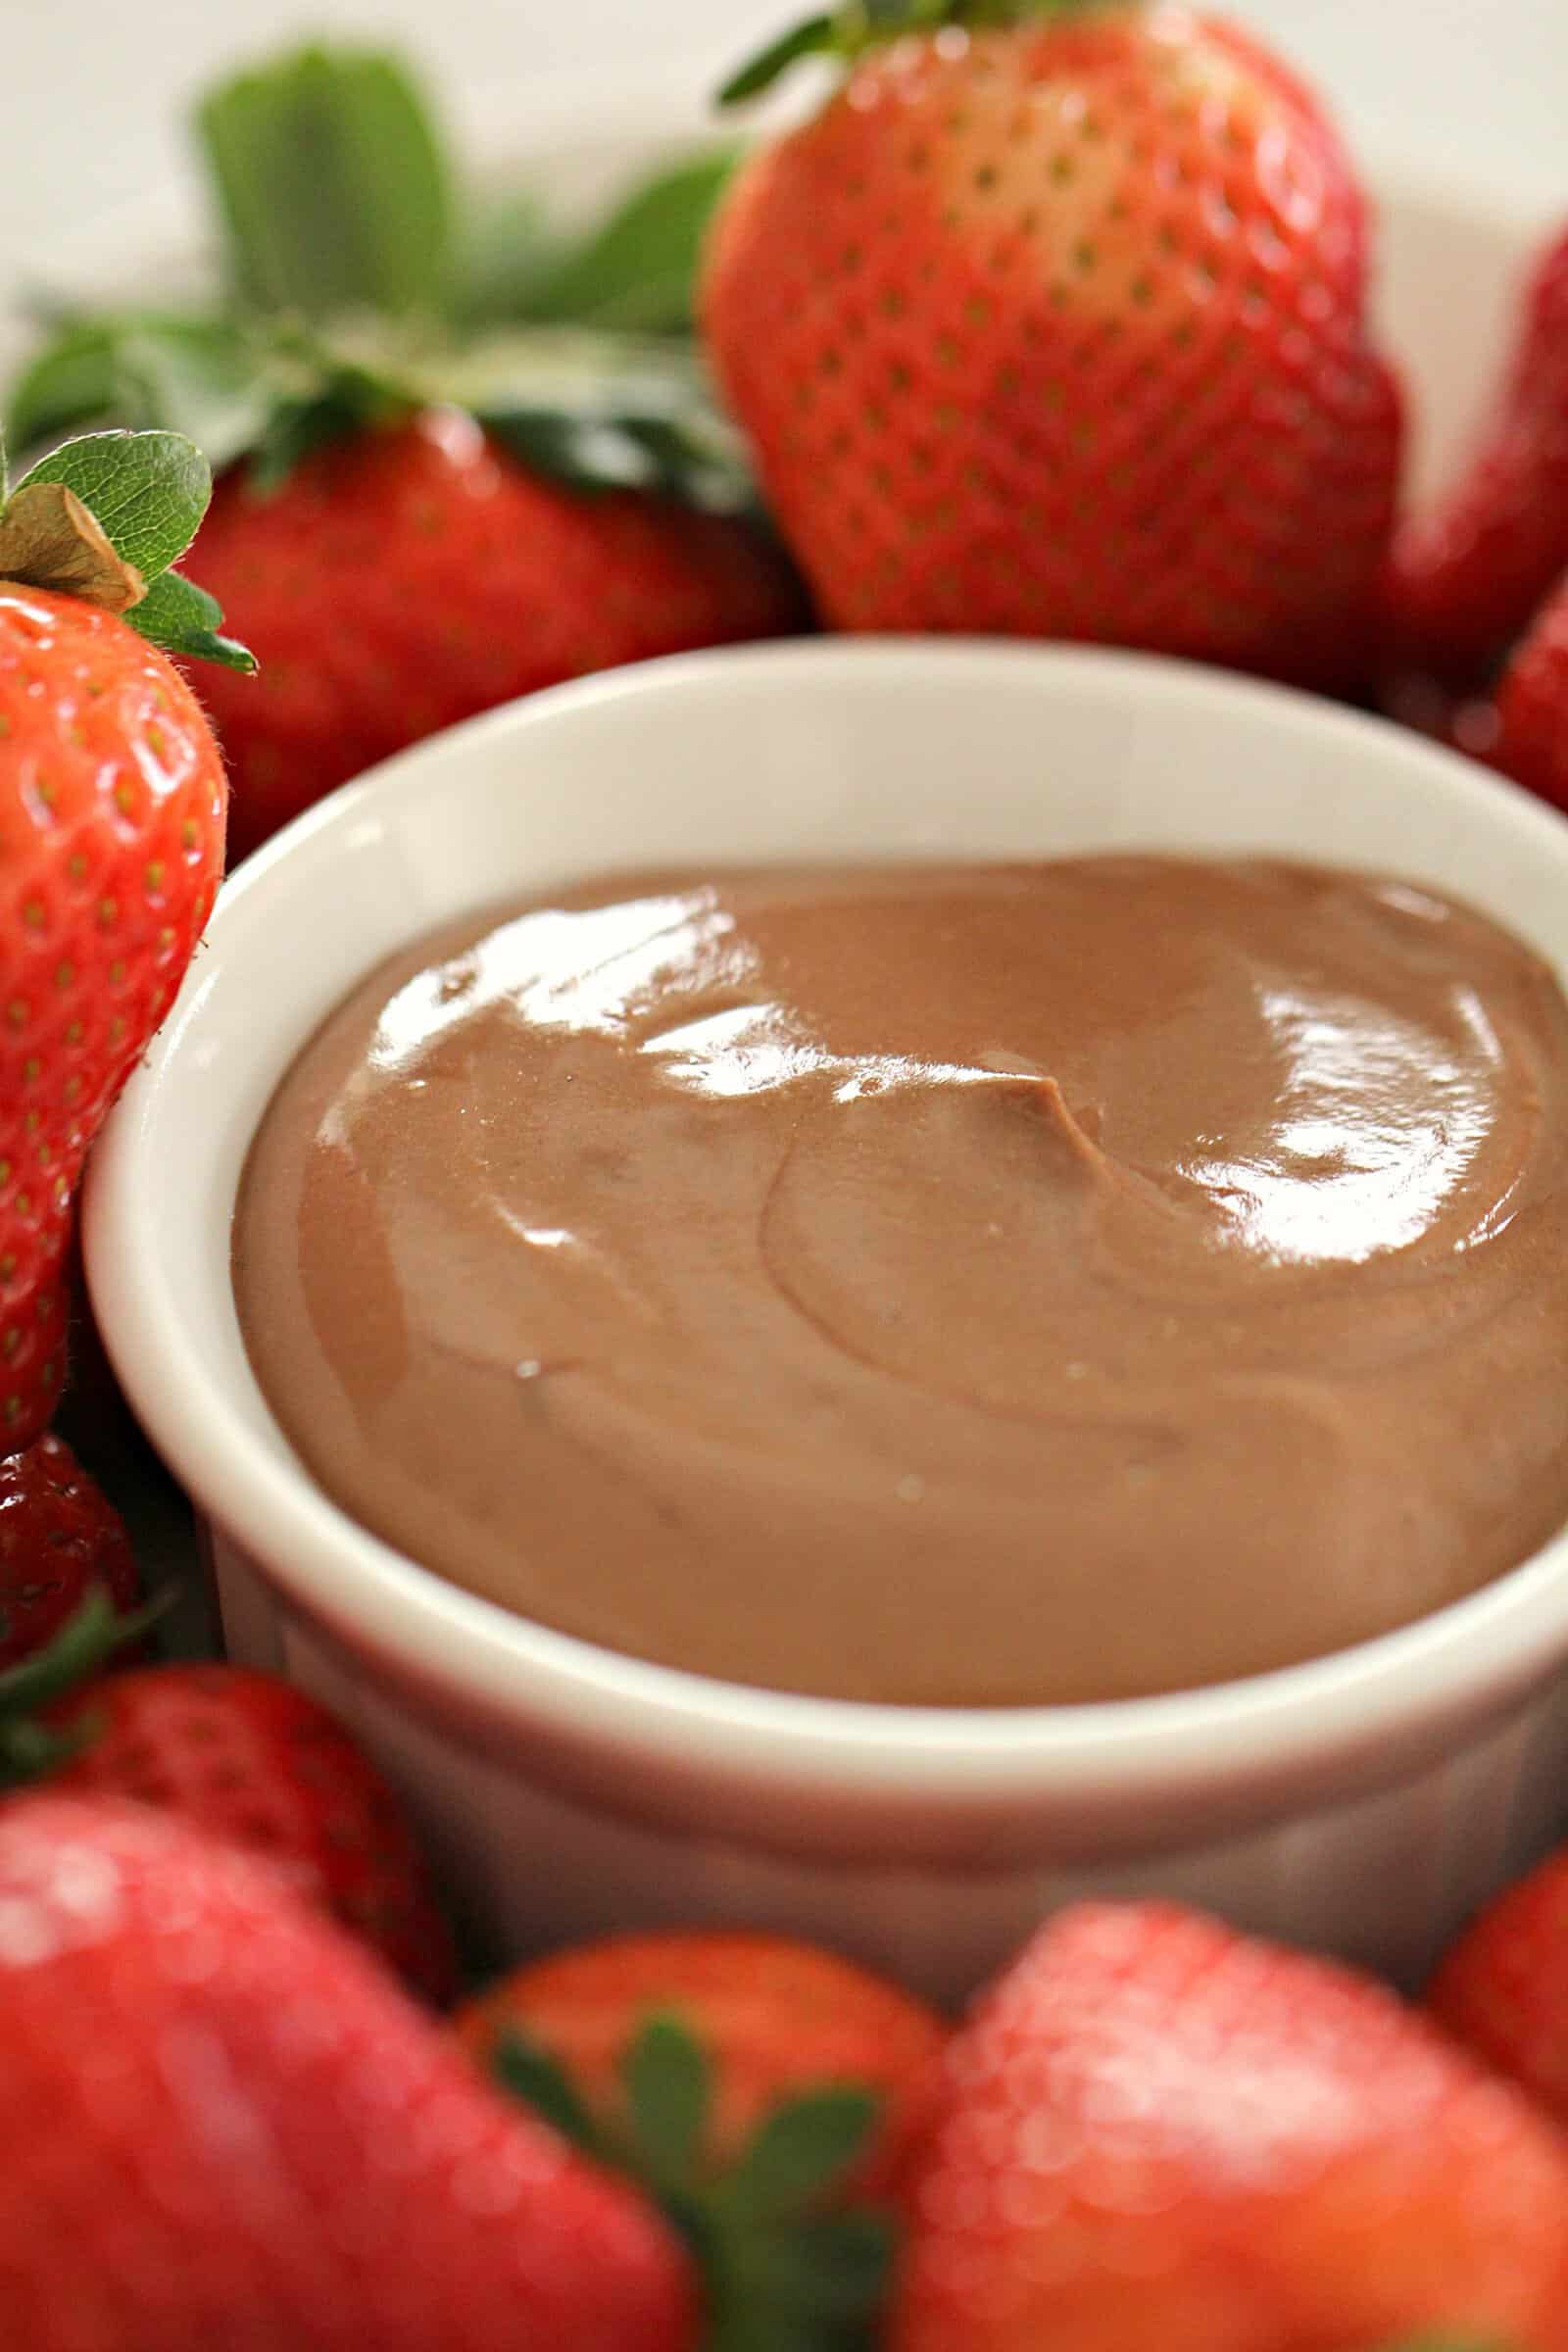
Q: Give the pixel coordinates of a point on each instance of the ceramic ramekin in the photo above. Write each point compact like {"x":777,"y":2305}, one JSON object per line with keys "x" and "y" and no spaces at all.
{"x":1364,"y":1803}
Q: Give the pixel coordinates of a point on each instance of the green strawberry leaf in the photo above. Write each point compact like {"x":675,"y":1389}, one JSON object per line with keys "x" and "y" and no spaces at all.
{"x":815,"y":2285}
{"x":507,"y":247}
{"x":802,"y":2152}
{"x":204,"y":377}
{"x":669,"y":2099}
{"x":183,"y":618}
{"x":80,"y":1650}
{"x":332,"y":185}
{"x":636,"y":272}
{"x":848,"y":31}
{"x":537,"y":2081}
{"x":817,"y":36}
{"x":147,"y":492}
{"x":789,"y":2262}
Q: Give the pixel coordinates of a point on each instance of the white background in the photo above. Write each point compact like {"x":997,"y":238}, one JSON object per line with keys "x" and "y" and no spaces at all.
{"x":90,"y":89}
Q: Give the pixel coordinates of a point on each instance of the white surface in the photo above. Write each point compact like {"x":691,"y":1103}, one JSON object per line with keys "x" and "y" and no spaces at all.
{"x":90,"y":89}
{"x":934,"y":1838}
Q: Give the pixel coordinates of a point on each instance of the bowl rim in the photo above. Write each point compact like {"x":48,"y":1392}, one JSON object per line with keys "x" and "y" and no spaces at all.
{"x":1403,"y":1686}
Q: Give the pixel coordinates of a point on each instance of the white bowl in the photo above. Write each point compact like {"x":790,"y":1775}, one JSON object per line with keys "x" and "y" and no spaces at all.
{"x":1363,"y":1804}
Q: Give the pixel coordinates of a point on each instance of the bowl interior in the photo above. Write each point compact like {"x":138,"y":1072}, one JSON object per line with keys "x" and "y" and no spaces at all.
{"x":825,"y":748}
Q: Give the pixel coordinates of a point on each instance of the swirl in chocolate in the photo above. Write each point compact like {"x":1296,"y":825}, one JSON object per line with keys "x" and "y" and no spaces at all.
{"x":975,"y":1285}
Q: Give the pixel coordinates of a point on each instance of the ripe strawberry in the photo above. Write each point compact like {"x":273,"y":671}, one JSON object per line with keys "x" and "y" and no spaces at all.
{"x":775,"y":2019}
{"x":1058,"y":329}
{"x":111,"y":809}
{"x":1531,"y":743}
{"x":1467,"y":577}
{"x":228,"y":2128}
{"x":59,"y":1537}
{"x":1503,"y":1988}
{"x":401,"y":580}
{"x":252,"y":1761}
{"x":1160,"y":2137}
{"x":761,"y":2088}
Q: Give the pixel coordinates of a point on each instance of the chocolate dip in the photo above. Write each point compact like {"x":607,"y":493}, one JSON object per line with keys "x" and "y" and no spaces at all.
{"x":966,"y":1285}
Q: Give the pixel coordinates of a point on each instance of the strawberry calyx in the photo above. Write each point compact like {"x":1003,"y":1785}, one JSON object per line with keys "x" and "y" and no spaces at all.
{"x":30,"y":1746}
{"x":847,"y":33}
{"x":787,"y":2263}
{"x":362,"y":284}
{"x":105,"y":519}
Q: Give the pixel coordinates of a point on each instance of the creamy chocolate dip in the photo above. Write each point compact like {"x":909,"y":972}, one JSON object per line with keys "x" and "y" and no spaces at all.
{"x":977,"y":1286}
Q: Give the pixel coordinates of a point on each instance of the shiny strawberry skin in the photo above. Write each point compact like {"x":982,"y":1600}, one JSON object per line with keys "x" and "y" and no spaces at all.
{"x":1503,"y":1988}
{"x":402,"y":580}
{"x":228,"y":2129}
{"x":249,"y":1759}
{"x":1059,"y":331}
{"x":777,"y":2019}
{"x":111,"y":809}
{"x":1160,"y":2137}
{"x":60,"y":1536}
{"x":1532,"y":705}
{"x":1468,"y":576}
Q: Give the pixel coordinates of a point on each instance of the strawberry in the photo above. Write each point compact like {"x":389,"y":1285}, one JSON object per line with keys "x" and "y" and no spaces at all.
{"x":112,"y":812}
{"x":427,"y":505}
{"x":400,"y":579}
{"x":1503,"y":1988}
{"x":1160,"y":2137}
{"x":1531,"y":739}
{"x":253,"y":1761}
{"x":764,"y":2090}
{"x":1055,"y":326}
{"x":244,"y":1757}
{"x":59,"y":1537}
{"x":1468,"y":577}
{"x":228,"y":2128}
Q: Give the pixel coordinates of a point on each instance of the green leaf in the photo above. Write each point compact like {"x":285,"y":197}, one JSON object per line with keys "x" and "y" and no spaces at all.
{"x":183,"y":618}
{"x":208,"y":378}
{"x":803,"y":2151}
{"x":147,"y":492}
{"x":814,"y":2285}
{"x":818,"y":37}
{"x":508,"y":247}
{"x":333,"y":184}
{"x":864,"y":24}
{"x":530,"y":2074}
{"x":81,"y":1649}
{"x":670,"y":2097}
{"x":637,"y":270}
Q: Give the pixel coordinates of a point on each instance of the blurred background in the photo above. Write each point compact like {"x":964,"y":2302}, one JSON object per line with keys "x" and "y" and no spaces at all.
{"x":1477,"y":89}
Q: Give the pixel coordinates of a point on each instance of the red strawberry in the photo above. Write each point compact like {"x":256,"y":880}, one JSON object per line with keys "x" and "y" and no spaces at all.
{"x":228,"y":2128}
{"x":403,"y":580}
{"x":1160,"y":2137}
{"x":764,"y":2090}
{"x":1531,"y":742}
{"x":1468,"y":576}
{"x":775,"y":2017}
{"x":254,"y":1762}
{"x":1060,"y":330}
{"x":112,"y":807}
{"x":1503,"y":1988}
{"x":59,"y":1538}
